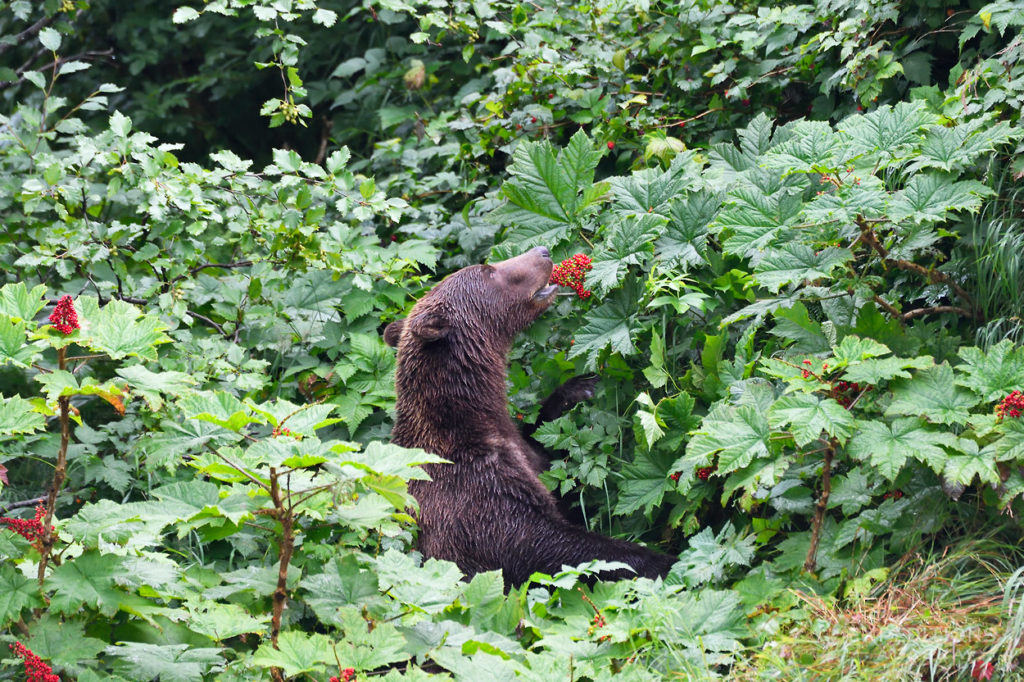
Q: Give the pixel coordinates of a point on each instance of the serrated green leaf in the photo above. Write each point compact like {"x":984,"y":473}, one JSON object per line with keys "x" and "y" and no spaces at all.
{"x":932,"y":394}
{"x":218,"y":407}
{"x":796,"y":324}
{"x":795,"y":262}
{"x":853,"y":349}
{"x":752,"y":220}
{"x":63,"y":642}
{"x":875,"y":370}
{"x":1010,"y":446}
{"x":342,"y":584}
{"x":644,"y":484}
{"x":610,"y":325}
{"x":166,"y":662}
{"x":223,"y":621}
{"x":888,"y":446}
{"x":16,"y":593}
{"x":970,"y":461}
{"x":807,"y":415}
{"x":684,"y":239}
{"x":20,"y":303}
{"x":994,"y":374}
{"x":735,"y":434}
{"x":14,"y":345}
{"x":120,"y":329}
{"x":931,"y":196}
{"x":150,"y":385}
{"x":887,"y":132}
{"x":17,"y":415}
{"x":649,"y":191}
{"x":88,"y":580}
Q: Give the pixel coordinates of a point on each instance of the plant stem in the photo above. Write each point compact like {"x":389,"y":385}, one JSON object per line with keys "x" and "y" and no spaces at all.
{"x":284,"y":516}
{"x":819,"y":512}
{"x":59,"y":474}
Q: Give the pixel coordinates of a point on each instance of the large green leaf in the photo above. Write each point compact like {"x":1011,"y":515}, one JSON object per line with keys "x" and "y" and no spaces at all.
{"x":807,"y":415}
{"x":887,"y":132}
{"x":120,"y":329}
{"x":16,"y":592}
{"x":150,"y":385}
{"x":19,"y":303}
{"x":931,"y":196}
{"x":18,"y":416}
{"x":610,"y":325}
{"x":735,"y":434}
{"x":14,"y":345}
{"x":933,"y":395}
{"x":166,"y":662}
{"x":888,"y":446}
{"x":89,"y":580}
{"x":796,"y":262}
{"x":994,"y":374}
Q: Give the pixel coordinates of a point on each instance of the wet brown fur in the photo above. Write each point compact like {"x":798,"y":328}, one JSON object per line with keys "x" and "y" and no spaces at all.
{"x":487,"y":509}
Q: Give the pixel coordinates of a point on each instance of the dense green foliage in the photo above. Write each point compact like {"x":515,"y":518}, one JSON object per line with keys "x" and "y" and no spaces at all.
{"x":806,"y":238}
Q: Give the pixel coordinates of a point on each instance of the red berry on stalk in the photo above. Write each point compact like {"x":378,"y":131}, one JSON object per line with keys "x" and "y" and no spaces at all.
{"x":1010,"y":406}
{"x":611,"y":145}
{"x":64,"y":318}
{"x":571,"y":273}
{"x":35,"y":669}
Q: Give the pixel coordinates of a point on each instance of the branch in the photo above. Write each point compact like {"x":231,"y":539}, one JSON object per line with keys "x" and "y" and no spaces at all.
{"x":20,"y":504}
{"x":918,"y":312}
{"x":199,"y":268}
{"x":49,"y":538}
{"x":867,"y":235}
{"x":819,"y":512}
{"x":28,"y":33}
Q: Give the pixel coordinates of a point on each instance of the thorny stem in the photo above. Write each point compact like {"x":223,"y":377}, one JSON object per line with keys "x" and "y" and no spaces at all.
{"x":284,"y":516}
{"x":59,"y":474}
{"x":819,"y":512}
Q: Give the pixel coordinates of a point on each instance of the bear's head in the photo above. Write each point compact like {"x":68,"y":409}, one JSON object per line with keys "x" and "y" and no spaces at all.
{"x":479,"y":308}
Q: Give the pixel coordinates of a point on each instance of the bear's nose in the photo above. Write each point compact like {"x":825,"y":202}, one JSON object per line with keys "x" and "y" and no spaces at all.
{"x":542,"y":251}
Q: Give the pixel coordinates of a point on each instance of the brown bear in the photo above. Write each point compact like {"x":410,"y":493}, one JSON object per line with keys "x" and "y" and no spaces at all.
{"x":487,"y":509}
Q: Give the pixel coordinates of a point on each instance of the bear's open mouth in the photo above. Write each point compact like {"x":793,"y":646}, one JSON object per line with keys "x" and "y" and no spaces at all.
{"x":545,"y":293}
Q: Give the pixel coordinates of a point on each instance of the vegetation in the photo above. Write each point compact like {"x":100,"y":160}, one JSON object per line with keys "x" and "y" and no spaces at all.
{"x":800,"y":228}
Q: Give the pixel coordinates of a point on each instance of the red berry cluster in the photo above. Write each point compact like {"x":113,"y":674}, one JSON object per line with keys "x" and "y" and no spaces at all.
{"x":35,"y":669}
{"x":285,"y":432}
{"x":571,"y":273}
{"x":704,"y":473}
{"x":346,"y":675}
{"x":64,"y":318}
{"x":845,"y":392}
{"x":1010,"y":406}
{"x":675,"y":476}
{"x":894,"y":494}
{"x":30,"y":529}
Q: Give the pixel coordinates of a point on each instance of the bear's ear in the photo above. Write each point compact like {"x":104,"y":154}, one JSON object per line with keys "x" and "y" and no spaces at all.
{"x":430,"y":325}
{"x":393,"y":332}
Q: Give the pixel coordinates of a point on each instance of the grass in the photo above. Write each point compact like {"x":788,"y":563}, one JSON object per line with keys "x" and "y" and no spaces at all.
{"x":943,"y":616}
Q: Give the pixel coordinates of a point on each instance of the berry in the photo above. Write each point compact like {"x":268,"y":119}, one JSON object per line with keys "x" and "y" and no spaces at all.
{"x":533,"y":119}
{"x":551,"y":95}
{"x":675,"y":476}
{"x":704,"y":473}
{"x":64,"y":318}
{"x":611,"y":145}
{"x":1010,"y":406}
{"x":30,"y":529}
{"x":35,"y":669}
{"x":571,"y":272}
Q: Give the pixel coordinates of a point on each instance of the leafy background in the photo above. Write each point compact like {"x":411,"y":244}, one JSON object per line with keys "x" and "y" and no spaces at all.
{"x":805,"y":227}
